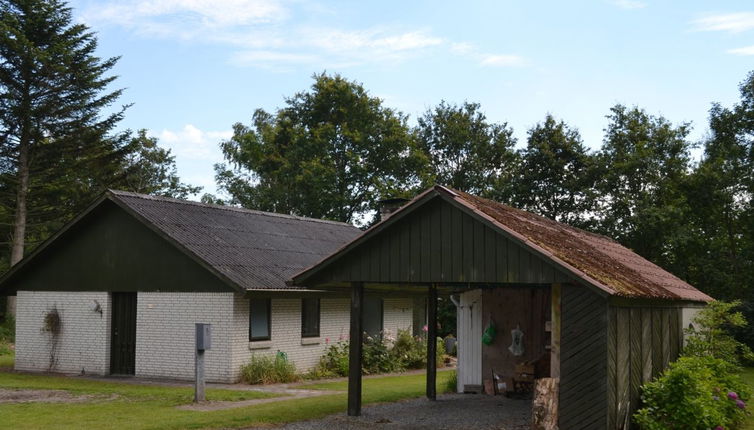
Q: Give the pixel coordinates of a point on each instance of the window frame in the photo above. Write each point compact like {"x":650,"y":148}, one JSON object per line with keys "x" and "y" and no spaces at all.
{"x":268,"y":302}
{"x":304,"y":334}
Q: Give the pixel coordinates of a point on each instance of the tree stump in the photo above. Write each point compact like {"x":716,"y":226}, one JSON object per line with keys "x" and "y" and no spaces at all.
{"x":544,"y":408}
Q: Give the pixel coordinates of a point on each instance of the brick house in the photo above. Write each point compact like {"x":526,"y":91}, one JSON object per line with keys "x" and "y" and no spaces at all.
{"x":131,"y":275}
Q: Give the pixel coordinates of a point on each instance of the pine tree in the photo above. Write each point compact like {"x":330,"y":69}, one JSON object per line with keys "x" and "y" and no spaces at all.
{"x":53,"y":133}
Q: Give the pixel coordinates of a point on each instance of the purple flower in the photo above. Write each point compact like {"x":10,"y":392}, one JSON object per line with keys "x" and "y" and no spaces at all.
{"x":719,"y":428}
{"x":732,"y":395}
{"x":741,"y":404}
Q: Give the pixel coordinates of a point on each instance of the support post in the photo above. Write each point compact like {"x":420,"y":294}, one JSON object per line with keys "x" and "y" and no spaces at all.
{"x":432,"y":343}
{"x":355,"y":346}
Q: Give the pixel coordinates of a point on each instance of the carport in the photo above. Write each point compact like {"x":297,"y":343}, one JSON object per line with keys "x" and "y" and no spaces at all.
{"x":606,"y":319}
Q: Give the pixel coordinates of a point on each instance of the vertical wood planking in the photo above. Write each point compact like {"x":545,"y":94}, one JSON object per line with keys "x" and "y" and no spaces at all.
{"x":646,"y":342}
{"x":491,"y":239}
{"x":447,"y":245}
{"x":457,"y":244}
{"x":501,"y":260}
{"x":623,"y":365}
{"x":612,"y":367}
{"x":636,"y":353}
{"x":435,"y":246}
{"x":656,"y":342}
{"x":467,"y":242}
{"x":665,"y":337}
{"x":426,"y":249}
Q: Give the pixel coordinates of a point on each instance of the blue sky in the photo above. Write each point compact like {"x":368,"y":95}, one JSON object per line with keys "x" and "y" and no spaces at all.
{"x":192,"y":68}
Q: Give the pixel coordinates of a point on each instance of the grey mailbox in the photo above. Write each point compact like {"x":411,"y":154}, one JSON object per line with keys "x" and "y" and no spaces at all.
{"x":203,"y":336}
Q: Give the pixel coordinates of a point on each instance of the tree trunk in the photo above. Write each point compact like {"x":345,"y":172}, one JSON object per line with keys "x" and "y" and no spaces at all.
{"x":19,"y":223}
{"x":544,"y":409}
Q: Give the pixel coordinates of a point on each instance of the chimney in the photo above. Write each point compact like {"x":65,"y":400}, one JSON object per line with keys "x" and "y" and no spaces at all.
{"x":388,"y":206}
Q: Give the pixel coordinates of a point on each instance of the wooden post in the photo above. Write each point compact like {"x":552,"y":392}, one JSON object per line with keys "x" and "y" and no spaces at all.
{"x":355,"y":347}
{"x":555,"y":294}
{"x":432,"y":343}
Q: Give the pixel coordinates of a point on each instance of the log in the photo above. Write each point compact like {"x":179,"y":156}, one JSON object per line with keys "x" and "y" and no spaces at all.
{"x":544,"y":408}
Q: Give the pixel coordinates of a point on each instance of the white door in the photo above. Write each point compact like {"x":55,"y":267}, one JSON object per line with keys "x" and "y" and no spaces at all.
{"x":470,"y":339}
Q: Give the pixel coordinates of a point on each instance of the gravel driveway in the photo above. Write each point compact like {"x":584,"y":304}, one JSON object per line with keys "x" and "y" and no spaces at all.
{"x":450,"y":411}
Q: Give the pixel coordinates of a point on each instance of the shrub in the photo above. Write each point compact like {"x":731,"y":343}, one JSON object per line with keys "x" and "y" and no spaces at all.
{"x":410,"y":350}
{"x":268,"y":369}
{"x":381,"y":355}
{"x":713,"y":334}
{"x":378,"y":357}
{"x":694,"y":393}
{"x":334,"y":362}
{"x":8,"y":330}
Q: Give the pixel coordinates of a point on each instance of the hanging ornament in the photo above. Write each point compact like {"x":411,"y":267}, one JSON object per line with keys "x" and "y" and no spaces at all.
{"x":517,"y":345}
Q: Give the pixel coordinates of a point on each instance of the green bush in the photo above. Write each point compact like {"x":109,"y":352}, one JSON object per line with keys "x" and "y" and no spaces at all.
{"x":8,"y":330}
{"x":334,"y":362}
{"x":410,"y":350}
{"x":268,"y":369}
{"x":694,"y":393}
{"x":380,"y":355}
{"x":713,"y":334}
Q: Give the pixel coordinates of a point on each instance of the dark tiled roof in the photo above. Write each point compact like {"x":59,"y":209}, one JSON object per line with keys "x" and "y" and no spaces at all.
{"x":615,"y":268}
{"x":254,"y":250}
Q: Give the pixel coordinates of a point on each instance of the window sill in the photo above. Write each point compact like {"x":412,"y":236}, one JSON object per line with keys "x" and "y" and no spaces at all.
{"x":260,"y":344}
{"x":311,"y":341}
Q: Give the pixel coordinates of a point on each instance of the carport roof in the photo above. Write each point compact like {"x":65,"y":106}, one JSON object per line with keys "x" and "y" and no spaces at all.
{"x":594,"y":259}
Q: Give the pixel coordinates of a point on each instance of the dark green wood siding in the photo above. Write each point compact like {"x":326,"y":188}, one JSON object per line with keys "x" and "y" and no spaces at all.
{"x":440,"y":243}
{"x":642,"y":341}
{"x":109,"y":250}
{"x":583,"y":357}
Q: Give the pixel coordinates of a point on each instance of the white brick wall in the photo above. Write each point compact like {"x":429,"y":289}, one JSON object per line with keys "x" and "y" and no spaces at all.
{"x":165,"y":330}
{"x":398,"y":314}
{"x":82,"y":346}
{"x":286,"y":328}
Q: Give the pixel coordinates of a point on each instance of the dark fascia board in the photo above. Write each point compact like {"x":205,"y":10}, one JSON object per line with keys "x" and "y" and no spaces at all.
{"x":109,"y":196}
{"x":452,"y":198}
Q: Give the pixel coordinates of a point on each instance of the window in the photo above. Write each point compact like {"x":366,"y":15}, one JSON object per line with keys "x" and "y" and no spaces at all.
{"x":373,"y":313}
{"x":309,"y":317}
{"x":259,"y":319}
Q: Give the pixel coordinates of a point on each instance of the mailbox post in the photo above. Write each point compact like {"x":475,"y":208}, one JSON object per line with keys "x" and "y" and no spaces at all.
{"x":203,"y":342}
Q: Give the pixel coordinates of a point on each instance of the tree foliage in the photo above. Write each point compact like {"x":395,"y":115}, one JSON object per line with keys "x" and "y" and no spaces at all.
{"x":643,"y":163}
{"x":465,"y":150}
{"x":331,"y":153}
{"x":58,"y":145}
{"x":557,"y":174}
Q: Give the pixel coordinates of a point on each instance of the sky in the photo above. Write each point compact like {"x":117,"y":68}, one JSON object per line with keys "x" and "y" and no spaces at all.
{"x":193,"y":68}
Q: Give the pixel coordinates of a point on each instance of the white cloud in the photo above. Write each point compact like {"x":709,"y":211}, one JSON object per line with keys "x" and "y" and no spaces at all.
{"x":746,"y":50}
{"x":196,"y":151}
{"x":731,"y":22}
{"x":487,"y":59}
{"x":255,"y":30}
{"x":144,"y":14}
{"x":192,"y":143}
{"x":502,"y":60}
{"x":629,"y":4}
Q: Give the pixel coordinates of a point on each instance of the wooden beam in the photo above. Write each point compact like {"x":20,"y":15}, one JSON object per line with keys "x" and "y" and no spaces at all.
{"x":355,"y":347}
{"x":555,"y":331}
{"x":432,"y":343}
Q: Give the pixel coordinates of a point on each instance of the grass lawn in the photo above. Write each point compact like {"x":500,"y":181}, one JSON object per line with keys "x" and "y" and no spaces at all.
{"x":6,"y":360}
{"x":150,"y":407}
